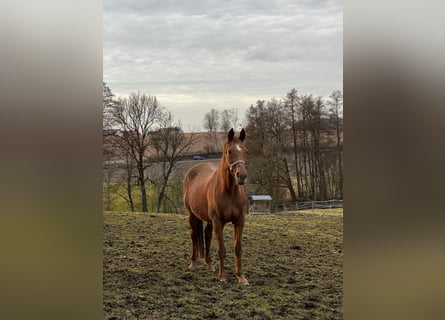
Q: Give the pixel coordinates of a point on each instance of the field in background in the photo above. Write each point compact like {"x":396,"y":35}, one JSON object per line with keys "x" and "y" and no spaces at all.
{"x":293,"y":261}
{"x":118,"y":203}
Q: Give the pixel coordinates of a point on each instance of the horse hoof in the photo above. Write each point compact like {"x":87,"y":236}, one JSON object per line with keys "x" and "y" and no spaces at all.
{"x":222,"y":280}
{"x":192,"y":265}
{"x":243,"y":281}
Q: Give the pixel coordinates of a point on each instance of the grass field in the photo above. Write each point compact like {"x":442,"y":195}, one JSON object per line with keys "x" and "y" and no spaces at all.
{"x":293,"y":261}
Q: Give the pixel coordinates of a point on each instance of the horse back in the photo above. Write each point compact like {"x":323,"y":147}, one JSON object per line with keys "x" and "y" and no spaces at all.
{"x":195,"y":187}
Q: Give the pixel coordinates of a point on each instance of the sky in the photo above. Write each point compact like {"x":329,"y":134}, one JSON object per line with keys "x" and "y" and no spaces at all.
{"x":195,"y":55}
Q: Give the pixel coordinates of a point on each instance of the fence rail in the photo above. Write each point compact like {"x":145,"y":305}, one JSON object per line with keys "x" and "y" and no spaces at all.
{"x":308,"y":205}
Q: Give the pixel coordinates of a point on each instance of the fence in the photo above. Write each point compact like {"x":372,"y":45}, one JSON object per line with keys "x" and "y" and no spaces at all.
{"x":309,"y":205}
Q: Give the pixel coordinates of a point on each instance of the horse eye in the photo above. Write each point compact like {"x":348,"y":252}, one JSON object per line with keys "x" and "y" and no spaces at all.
{"x":230,"y":151}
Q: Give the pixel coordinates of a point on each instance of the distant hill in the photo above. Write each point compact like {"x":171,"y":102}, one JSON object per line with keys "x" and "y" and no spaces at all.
{"x":207,"y":145}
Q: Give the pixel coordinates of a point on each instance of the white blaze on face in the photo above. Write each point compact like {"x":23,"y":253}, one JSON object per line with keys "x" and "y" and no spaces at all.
{"x":238,"y":147}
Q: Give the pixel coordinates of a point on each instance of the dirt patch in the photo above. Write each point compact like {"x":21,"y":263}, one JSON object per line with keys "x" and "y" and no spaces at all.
{"x":293,"y":263}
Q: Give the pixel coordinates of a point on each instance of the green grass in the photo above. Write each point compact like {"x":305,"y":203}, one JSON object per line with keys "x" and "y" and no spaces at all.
{"x":118,"y":203}
{"x":293,"y":261}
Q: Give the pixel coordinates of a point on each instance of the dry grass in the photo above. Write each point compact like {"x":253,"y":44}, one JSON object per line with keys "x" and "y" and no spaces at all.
{"x":293,"y":262}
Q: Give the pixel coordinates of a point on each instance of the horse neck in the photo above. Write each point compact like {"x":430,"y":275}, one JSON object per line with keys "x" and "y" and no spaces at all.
{"x":225,"y":179}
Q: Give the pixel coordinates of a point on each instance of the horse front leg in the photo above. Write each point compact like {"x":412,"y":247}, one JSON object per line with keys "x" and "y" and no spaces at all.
{"x":218,"y":227}
{"x":238,"y":239}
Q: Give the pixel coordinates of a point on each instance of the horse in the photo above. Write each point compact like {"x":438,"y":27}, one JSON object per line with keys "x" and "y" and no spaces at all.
{"x":215,"y":194}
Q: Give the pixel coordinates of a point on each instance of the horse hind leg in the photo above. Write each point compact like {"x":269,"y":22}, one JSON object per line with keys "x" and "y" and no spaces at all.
{"x":208,"y":240}
{"x":193,"y":237}
{"x":197,"y":240}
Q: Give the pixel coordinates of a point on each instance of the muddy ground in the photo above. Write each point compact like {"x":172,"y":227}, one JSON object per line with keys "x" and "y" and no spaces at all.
{"x":293,"y":261}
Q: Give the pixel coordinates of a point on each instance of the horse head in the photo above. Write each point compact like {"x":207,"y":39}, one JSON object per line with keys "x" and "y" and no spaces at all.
{"x":235,"y":154}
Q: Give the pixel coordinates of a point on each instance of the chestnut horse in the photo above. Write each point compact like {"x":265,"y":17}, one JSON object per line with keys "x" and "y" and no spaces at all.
{"x":215,"y":194}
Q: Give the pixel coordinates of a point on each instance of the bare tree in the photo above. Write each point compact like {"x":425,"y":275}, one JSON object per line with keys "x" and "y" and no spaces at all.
{"x":318,"y":129}
{"x":313,"y":132}
{"x":269,"y":126}
{"x":110,"y":150}
{"x":108,"y":104}
{"x":110,"y":156}
{"x":306,"y":164}
{"x":292,"y":103}
{"x":256,"y":122}
{"x":128,"y":176}
{"x":211,"y":121}
{"x":225,"y":121}
{"x":336,"y":104}
{"x":234,"y":119}
{"x":137,"y":115}
{"x":171,"y":145}
{"x":278,"y":127}
{"x":229,"y":119}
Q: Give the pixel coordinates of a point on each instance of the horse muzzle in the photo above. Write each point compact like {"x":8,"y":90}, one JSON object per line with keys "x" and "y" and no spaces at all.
{"x":240,"y":178}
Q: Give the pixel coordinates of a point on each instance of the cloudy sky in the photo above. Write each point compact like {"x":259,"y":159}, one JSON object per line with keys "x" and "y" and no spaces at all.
{"x":195,"y":55}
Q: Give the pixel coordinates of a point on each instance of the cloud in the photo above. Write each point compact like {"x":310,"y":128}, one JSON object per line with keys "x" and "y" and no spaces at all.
{"x":217,"y":49}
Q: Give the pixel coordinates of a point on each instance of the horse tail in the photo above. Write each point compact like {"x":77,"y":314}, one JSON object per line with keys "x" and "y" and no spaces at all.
{"x":200,"y":239}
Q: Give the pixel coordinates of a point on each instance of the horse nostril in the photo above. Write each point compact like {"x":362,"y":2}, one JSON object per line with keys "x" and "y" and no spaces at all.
{"x":241,"y":176}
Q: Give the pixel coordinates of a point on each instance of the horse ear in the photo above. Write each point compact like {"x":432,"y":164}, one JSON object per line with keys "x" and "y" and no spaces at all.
{"x":242,"y":135}
{"x":231,"y":134}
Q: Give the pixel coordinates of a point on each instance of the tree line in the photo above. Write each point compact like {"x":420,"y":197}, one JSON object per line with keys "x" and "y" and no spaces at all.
{"x":295,"y":148}
{"x":295,"y":145}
